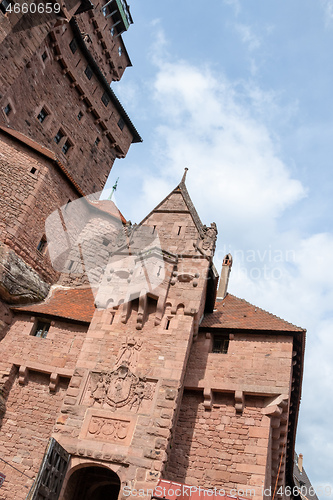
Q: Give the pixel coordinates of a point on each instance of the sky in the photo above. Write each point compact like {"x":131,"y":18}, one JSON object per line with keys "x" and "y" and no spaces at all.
{"x":240,"y":92}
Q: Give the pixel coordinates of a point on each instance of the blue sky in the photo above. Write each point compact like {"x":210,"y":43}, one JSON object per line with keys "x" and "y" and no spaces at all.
{"x":240,"y":91}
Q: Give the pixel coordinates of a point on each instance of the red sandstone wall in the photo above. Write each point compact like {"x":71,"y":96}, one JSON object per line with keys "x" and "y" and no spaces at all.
{"x":253,"y":363}
{"x":219,"y":448}
{"x":26,"y":200}
{"x":89,"y":164}
{"x":25,"y":431}
{"x":104,"y":45}
{"x":59,"y":350}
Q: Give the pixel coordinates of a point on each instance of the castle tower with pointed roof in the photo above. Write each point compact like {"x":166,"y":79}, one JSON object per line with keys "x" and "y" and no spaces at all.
{"x":149,"y":384}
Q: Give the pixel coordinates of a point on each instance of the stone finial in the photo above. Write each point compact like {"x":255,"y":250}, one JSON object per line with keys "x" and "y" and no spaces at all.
{"x":224,"y":279}
{"x":184,"y":176}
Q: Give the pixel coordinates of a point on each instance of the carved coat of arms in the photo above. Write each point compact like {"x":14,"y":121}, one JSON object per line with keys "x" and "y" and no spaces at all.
{"x":120,"y":388}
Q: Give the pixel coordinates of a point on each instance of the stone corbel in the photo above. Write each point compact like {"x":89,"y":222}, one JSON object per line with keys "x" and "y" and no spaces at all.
{"x":125,"y":311}
{"x":54,"y":379}
{"x":239,"y":401}
{"x":208,"y":398}
{"x":141,"y":310}
{"x":23,"y":375}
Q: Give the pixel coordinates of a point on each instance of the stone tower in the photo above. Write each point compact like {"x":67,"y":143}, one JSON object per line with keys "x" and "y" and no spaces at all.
{"x":56,"y":72}
{"x":148,"y":382}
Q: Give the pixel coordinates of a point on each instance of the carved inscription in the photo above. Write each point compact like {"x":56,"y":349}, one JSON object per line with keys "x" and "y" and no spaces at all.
{"x":109,"y":429}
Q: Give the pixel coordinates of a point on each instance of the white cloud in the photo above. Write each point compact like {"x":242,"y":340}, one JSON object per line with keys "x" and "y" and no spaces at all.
{"x":328,"y":8}
{"x":222,"y":131}
{"x":235,"y":4}
{"x":247,"y":36}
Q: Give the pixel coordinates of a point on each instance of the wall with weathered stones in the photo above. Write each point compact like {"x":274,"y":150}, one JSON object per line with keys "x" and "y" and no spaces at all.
{"x":32,"y":188}
{"x":25,"y":431}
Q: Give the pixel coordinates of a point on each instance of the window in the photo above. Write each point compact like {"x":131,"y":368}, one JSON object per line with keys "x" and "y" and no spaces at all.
{"x":33,"y":170}
{"x":119,"y":51}
{"x":7,"y":109}
{"x":220,"y":344}
{"x":179,"y":229}
{"x":73,"y":46}
{"x":70,"y":265}
{"x":97,"y":141}
{"x":42,"y":115}
{"x":42,"y":329}
{"x":112,"y":31}
{"x":121,"y":123}
{"x":3,"y":5}
{"x":41,"y":247}
{"x":105,"y":99}
{"x":66,"y":147}
{"x":79,"y":116}
{"x":106,"y":242}
{"x":59,"y":136}
{"x":44,"y":56}
{"x":88,"y":72}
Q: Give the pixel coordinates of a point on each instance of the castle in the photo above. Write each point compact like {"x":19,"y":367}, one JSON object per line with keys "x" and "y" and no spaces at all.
{"x":126,"y":366}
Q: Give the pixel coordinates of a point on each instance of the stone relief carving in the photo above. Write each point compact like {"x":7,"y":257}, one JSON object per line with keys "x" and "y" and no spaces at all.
{"x":206,"y":244}
{"x":120,"y":388}
{"x":129,"y":353}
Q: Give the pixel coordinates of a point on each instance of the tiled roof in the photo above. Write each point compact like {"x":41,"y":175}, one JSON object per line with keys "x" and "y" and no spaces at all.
{"x":109,"y":207}
{"x":302,"y":481}
{"x":235,"y":313}
{"x":74,"y":304}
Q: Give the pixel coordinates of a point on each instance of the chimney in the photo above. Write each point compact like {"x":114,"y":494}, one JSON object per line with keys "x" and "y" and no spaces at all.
{"x":224,"y":279}
{"x":300,"y":462}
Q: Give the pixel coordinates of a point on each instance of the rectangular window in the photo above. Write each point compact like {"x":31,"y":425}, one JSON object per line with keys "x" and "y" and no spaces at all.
{"x":66,"y":147}
{"x":220,"y":344}
{"x":88,"y":72}
{"x":105,"y":99}
{"x":59,"y":136}
{"x":73,"y":46}
{"x":7,"y":109}
{"x":42,"y":115}
{"x":121,"y":123}
{"x":97,"y":141}
{"x":42,"y":329}
{"x":79,"y":116}
{"x":41,"y":247}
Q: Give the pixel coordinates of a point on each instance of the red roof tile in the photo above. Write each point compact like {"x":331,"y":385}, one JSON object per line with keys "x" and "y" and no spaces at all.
{"x":234,"y":313}
{"x":75,"y":304}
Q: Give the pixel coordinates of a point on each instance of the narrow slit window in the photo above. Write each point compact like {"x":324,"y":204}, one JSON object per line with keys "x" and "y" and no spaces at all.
{"x":59,"y":136}
{"x":167,"y":324}
{"x":79,"y":116}
{"x":97,"y":141}
{"x":88,"y":72}
{"x":121,"y":123}
{"x":7,"y":109}
{"x":44,"y":56}
{"x":179,"y":229}
{"x":105,"y":99}
{"x":42,"y":115}
{"x":66,"y":147}
{"x":73,"y":46}
{"x":41,"y":247}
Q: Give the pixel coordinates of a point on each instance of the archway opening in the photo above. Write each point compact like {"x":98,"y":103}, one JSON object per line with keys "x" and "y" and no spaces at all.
{"x":92,"y":483}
